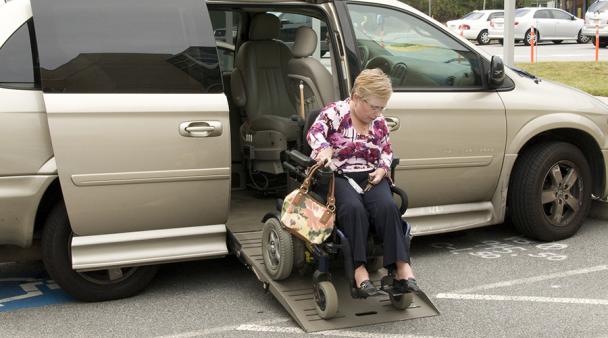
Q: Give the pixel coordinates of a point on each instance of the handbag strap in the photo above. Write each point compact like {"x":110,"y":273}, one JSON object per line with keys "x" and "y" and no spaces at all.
{"x":331,"y":199}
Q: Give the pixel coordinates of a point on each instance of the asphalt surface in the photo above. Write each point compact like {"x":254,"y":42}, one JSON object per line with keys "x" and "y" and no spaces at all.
{"x":486,"y":282}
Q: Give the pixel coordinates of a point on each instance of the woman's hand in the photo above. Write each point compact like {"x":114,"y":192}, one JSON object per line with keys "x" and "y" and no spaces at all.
{"x":324,"y":156}
{"x":377,"y":175}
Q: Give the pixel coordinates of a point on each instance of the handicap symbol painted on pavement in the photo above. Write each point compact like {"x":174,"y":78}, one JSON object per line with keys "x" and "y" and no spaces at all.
{"x":24,"y":292}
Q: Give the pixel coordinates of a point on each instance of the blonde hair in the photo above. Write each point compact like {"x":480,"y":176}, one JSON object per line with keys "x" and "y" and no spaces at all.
{"x":372,"y":82}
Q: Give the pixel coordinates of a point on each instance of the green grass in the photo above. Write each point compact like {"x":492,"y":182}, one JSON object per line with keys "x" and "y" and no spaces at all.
{"x":587,"y":76}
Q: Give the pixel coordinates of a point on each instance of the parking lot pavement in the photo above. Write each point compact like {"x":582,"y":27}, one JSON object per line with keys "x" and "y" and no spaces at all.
{"x":548,"y":51}
{"x":487,"y":282}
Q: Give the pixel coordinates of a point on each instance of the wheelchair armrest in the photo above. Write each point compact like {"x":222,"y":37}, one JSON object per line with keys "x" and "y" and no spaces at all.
{"x":404,"y":200}
{"x":299,"y":159}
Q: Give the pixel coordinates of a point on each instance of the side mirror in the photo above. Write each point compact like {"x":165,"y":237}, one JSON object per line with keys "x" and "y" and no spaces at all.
{"x":497,"y":72}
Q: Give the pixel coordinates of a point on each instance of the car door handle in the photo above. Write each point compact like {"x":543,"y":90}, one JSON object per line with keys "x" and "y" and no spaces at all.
{"x":392,"y":123}
{"x":200,"y":128}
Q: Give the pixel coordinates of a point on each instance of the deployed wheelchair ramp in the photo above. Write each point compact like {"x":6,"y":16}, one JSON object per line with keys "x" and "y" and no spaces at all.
{"x":296,"y":294}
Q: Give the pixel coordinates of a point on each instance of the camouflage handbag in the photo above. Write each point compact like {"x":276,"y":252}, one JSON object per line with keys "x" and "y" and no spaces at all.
{"x":307,"y":218}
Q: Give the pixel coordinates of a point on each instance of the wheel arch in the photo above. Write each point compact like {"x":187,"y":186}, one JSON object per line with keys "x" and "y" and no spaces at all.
{"x":586,"y":139}
{"x":51,"y":196}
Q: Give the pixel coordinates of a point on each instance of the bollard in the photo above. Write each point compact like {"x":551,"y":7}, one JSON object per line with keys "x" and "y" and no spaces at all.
{"x":597,"y":42}
{"x":532,"y":43}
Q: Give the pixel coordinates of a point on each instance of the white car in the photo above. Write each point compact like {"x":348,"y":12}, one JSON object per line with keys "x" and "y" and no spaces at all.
{"x":548,"y":24}
{"x":597,"y":14}
{"x":475,"y":25}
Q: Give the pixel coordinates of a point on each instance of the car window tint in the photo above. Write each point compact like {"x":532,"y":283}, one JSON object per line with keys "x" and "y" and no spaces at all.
{"x":225,"y":30}
{"x":598,"y":6}
{"x":16,"y":65}
{"x":496,"y":16}
{"x":542,"y":14}
{"x":561,"y":15}
{"x":414,"y":53}
{"x":472,"y":16}
{"x":118,"y":46}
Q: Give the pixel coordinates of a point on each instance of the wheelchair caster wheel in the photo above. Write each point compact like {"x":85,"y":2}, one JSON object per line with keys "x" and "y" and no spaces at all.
{"x":403,"y":301}
{"x":277,"y":249}
{"x":326,"y":300}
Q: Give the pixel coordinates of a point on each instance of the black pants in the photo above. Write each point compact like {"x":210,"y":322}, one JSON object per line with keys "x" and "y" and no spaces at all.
{"x":356,"y":212}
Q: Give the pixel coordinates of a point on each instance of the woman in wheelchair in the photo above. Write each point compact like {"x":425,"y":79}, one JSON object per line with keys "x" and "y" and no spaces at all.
{"x":352,"y":138}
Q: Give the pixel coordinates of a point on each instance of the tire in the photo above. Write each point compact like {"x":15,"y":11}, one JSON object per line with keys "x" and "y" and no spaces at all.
{"x":277,"y":249}
{"x":402,"y":302}
{"x":582,"y":38}
{"x":326,"y":300}
{"x":603,"y":42}
{"x":557,"y":42}
{"x":501,"y":41}
{"x":543,"y":170}
{"x":528,"y":37}
{"x":483,"y":38}
{"x":90,"y":286}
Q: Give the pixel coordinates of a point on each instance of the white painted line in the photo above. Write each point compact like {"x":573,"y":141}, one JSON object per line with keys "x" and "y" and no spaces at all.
{"x":533,"y":279}
{"x":333,"y":333}
{"x":221,"y":329}
{"x":523,"y":299}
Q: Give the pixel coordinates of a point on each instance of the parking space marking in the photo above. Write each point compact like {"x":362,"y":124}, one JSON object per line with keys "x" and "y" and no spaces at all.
{"x":465,"y":294}
{"x":222,"y":329}
{"x":530,"y":280}
{"x":523,"y":299}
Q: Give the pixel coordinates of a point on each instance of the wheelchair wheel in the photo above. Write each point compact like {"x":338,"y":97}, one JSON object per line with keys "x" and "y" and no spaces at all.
{"x":402,"y":302}
{"x":277,"y":249}
{"x":326,"y":300}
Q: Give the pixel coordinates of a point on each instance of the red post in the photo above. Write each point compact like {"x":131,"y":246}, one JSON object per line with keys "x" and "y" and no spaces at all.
{"x":597,"y":43}
{"x":532,"y":41}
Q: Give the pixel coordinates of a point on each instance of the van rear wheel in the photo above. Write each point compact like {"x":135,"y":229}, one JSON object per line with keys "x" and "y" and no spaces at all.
{"x":92,"y":286}
{"x":550,"y":191}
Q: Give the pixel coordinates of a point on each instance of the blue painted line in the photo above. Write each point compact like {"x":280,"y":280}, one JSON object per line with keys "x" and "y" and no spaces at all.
{"x":27,"y":292}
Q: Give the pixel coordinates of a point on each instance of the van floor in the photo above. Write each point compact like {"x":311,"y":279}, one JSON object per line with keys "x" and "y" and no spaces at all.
{"x":247,"y":208}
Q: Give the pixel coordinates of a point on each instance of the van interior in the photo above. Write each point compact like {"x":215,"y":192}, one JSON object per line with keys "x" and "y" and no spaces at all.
{"x":265,"y":54}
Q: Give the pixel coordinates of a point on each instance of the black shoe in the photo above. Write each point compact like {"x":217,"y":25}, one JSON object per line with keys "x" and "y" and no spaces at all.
{"x":367,"y":289}
{"x":405,"y":286}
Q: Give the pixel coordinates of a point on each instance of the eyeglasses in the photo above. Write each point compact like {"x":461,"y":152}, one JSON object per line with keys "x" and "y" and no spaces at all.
{"x":376,"y":109}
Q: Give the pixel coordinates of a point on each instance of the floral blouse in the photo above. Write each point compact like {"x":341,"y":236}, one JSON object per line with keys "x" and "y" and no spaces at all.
{"x":352,"y":151}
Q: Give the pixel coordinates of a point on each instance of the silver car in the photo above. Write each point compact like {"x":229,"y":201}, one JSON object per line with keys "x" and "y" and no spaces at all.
{"x":548,"y":24}
{"x":597,"y":18}
{"x":475,"y":25}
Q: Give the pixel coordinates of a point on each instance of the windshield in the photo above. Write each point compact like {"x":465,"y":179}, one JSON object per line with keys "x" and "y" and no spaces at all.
{"x":521,"y":12}
{"x":599,"y":6}
{"x":472,"y":16}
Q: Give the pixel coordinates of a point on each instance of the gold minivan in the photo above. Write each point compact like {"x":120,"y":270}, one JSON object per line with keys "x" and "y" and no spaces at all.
{"x":134,"y":133}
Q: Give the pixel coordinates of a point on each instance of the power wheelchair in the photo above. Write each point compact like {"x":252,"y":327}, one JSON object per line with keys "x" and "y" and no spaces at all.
{"x":284,"y":253}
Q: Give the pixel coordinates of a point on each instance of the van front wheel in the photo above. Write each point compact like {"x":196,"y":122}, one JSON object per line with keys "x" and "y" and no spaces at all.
{"x":89,"y":286}
{"x":550,"y":191}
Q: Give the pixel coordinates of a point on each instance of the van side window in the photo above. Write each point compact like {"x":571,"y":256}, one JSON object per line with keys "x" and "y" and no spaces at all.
{"x":414,"y":53}
{"x":16,"y":65}
{"x":118,"y":46}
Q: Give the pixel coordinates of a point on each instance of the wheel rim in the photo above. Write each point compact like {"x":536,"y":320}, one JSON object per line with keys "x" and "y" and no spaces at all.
{"x":562,"y":193}
{"x":273,"y":248}
{"x":110,"y":276}
{"x":529,"y":38}
{"x":320,"y":299}
{"x":485,"y":38}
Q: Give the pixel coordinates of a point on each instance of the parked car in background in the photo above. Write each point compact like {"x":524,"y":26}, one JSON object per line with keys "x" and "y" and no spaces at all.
{"x":597,"y":14}
{"x":549,"y":24}
{"x":475,"y":25}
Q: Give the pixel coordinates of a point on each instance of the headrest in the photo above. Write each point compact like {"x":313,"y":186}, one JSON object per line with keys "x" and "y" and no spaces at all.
{"x":306,"y":42}
{"x":264,"y":26}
